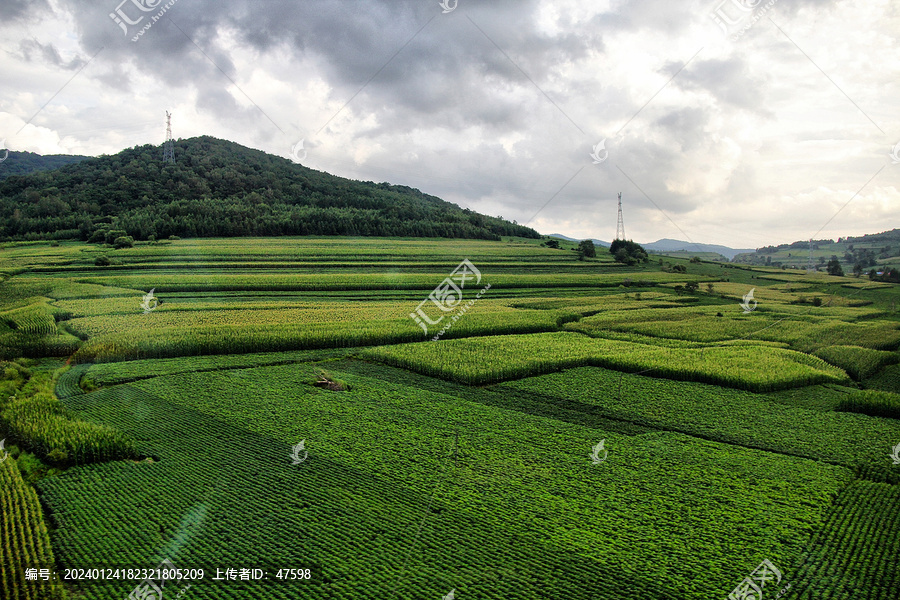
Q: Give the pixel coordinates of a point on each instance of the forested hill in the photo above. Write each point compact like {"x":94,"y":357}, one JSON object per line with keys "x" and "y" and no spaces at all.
{"x":219,"y":188}
{"x":23,"y":163}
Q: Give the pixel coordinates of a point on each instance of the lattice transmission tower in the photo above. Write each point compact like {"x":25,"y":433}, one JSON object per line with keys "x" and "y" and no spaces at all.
{"x":169,"y":146}
{"x":620,"y":224}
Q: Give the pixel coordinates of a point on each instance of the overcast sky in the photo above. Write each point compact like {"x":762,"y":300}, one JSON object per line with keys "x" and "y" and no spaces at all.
{"x":773,"y":125}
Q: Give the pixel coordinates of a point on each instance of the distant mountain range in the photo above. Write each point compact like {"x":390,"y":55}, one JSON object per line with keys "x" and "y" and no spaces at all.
{"x":670,"y":245}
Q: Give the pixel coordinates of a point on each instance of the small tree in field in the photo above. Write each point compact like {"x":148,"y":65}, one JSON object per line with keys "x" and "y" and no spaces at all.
{"x":587,"y":248}
{"x":124,"y":241}
{"x":628,"y":252}
{"x":834,"y":268}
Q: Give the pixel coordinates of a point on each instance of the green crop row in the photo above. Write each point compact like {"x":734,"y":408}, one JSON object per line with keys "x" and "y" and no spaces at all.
{"x":872,"y":402}
{"x":34,"y":319}
{"x":481,"y":360}
{"x":254,"y":281}
{"x":106,"y":374}
{"x":770,"y":421}
{"x":13,"y":345}
{"x":801,"y":332}
{"x":24,"y":540}
{"x":860,"y":363}
{"x":521,"y":492}
{"x":888,"y":379}
{"x":34,"y":419}
{"x":854,"y":555}
{"x":32,"y":331}
{"x":184,"y":340}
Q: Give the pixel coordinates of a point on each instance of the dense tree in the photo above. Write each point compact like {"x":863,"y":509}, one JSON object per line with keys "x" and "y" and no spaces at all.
{"x":587,"y":248}
{"x":219,"y":188}
{"x":834,"y":267}
{"x":628,"y":252}
{"x":23,"y":163}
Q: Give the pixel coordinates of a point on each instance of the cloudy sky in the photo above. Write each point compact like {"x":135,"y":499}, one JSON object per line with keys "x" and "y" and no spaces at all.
{"x":774,"y":124}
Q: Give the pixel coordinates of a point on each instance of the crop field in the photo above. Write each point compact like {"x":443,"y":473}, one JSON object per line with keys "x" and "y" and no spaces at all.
{"x":546,"y":428}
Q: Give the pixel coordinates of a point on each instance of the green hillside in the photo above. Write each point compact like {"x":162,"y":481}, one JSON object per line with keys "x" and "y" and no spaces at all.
{"x":879,"y":252}
{"x":222,"y":189}
{"x":24,"y":163}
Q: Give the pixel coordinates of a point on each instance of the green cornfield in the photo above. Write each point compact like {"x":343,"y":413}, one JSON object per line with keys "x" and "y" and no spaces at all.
{"x":25,"y":541}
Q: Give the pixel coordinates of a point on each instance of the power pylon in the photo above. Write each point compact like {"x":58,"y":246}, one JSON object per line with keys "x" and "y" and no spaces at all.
{"x":169,"y":146}
{"x":620,"y":224}
{"x":809,"y":265}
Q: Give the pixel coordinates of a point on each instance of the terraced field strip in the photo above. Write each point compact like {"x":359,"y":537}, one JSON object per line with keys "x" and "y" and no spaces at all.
{"x":481,"y":360}
{"x":766,"y":421}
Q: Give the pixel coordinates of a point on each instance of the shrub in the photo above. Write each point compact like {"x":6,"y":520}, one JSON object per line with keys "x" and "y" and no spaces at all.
{"x":98,"y":237}
{"x":124,"y":241}
{"x":102,"y":261}
{"x":327,"y":381}
{"x":88,"y":385}
{"x":58,"y":456}
{"x":112,"y":234}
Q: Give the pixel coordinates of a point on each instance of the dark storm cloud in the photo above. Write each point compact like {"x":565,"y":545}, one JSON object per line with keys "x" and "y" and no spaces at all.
{"x":452,"y":62}
{"x":14,"y":10}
